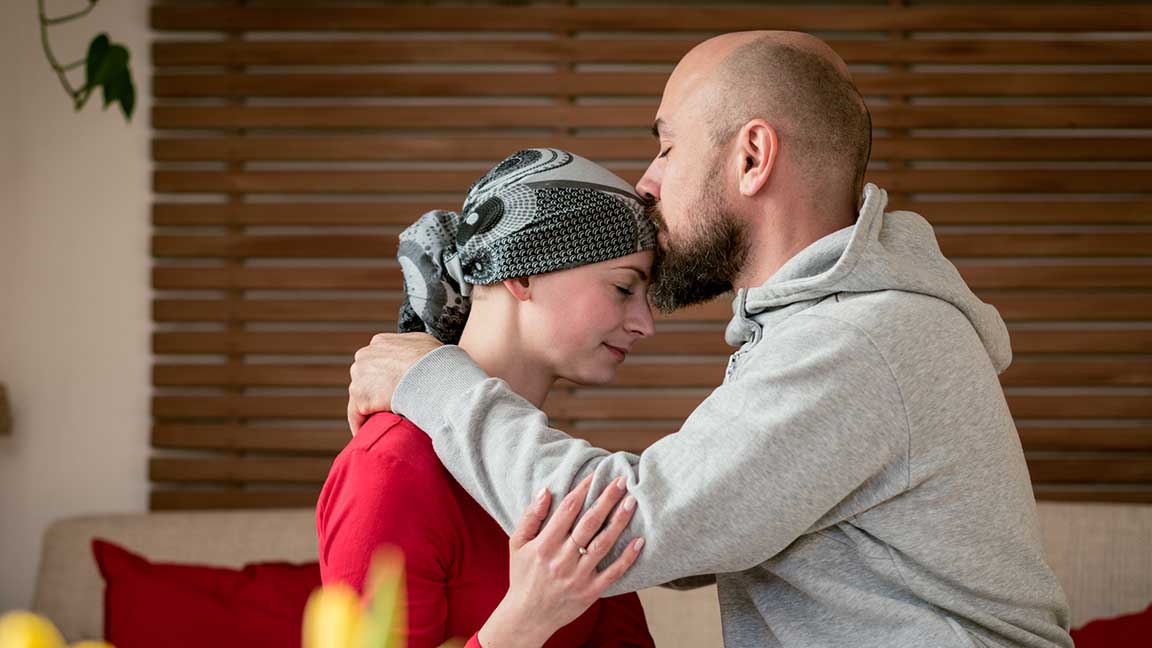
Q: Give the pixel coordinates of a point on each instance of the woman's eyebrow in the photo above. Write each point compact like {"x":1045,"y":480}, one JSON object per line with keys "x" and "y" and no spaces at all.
{"x":643,"y":275}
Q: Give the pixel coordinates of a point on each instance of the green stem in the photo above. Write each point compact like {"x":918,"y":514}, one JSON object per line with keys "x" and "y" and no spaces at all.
{"x":63,"y":19}
{"x":73,"y":66}
{"x":60,"y":70}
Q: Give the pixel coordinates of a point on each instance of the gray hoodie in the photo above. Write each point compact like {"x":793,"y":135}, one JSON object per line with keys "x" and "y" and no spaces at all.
{"x":856,"y":481}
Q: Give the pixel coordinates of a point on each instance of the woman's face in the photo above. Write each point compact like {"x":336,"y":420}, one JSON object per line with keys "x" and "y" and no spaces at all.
{"x":584,"y":321}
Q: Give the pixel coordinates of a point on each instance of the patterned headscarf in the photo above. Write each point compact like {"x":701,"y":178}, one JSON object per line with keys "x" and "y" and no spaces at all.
{"x":538,"y":211}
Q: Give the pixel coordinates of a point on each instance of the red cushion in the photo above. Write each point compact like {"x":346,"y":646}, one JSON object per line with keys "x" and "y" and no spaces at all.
{"x":150,"y":604}
{"x":1131,"y":630}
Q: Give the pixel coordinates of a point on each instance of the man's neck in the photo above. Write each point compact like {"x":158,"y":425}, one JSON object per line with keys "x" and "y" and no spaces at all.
{"x":781,"y":234}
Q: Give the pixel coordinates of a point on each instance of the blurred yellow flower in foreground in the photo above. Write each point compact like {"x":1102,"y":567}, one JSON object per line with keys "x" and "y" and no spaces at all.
{"x":336,"y":618}
{"x":28,"y":630}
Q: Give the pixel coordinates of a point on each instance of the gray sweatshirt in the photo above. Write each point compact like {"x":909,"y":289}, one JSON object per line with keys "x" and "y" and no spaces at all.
{"x":857,"y":480}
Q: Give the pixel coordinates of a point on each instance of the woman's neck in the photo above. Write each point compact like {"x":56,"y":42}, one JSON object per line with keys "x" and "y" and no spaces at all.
{"x":499,"y":356}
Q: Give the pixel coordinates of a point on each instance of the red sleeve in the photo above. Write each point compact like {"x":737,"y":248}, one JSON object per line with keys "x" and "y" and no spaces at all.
{"x":375,"y":497}
{"x":621,"y":624}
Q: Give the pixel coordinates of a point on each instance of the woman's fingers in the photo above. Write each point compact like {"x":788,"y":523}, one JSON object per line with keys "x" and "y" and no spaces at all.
{"x":603,"y":542}
{"x":594,"y":517}
{"x":529,"y":524}
{"x":613,"y":572}
{"x":558,"y":528}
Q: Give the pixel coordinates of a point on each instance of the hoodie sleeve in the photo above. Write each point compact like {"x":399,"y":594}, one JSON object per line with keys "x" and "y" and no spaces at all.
{"x":812,"y":415}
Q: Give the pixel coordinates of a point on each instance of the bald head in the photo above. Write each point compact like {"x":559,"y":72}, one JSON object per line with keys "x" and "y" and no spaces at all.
{"x":800,"y":86}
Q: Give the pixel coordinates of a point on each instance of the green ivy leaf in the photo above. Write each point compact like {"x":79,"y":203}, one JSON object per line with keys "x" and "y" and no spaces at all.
{"x":96,"y":53}
{"x":107,"y":67}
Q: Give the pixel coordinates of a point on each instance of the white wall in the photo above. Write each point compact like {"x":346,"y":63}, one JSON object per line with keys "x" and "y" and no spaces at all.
{"x":74,"y":288}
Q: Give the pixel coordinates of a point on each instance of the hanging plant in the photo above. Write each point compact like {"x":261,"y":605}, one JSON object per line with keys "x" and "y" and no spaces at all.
{"x":105,"y":66}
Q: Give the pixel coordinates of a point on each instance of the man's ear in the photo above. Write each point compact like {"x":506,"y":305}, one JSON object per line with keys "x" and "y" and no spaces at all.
{"x":758,"y":147}
{"x":520,"y":288}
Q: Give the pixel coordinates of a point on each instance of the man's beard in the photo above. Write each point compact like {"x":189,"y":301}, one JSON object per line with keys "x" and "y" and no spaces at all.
{"x":705,"y":265}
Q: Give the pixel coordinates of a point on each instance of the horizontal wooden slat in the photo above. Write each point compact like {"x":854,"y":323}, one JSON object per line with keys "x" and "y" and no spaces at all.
{"x":685,"y":18}
{"x":980,"y":244}
{"x":1099,"y":493}
{"x":1044,"y":275}
{"x":294,"y":439}
{"x":491,"y":149}
{"x":1023,"y":373}
{"x":248,"y":469}
{"x":307,"y":470}
{"x":1037,"y":244}
{"x":1022,"y":307}
{"x":349,"y":213}
{"x":209,"y":407}
{"x":383,"y":182}
{"x":161,"y":499}
{"x":617,"y":437}
{"x":617,"y":83}
{"x":404,"y":213}
{"x":622,"y":50}
{"x":473,"y":147}
{"x":335,"y":117}
{"x":299,"y":246}
{"x":330,"y":440}
{"x":275,"y":310}
{"x":1084,"y":341}
{"x":1071,"y":306}
{"x":350,"y":278}
{"x":1071,"y":341}
{"x":1081,"y":438}
{"x":679,"y":407}
{"x":345,"y":342}
{"x":1018,"y":212}
{"x":1118,"y":469}
{"x":631,"y":408}
{"x":1134,"y":275}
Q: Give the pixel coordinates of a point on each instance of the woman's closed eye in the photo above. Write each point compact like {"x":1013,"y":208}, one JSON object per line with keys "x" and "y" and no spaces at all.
{"x":625,"y":290}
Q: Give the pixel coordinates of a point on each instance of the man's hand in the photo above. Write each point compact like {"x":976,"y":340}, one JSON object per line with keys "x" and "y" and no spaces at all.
{"x":379,"y":368}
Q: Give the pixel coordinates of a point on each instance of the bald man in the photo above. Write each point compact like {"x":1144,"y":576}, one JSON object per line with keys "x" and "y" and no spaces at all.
{"x":857,"y":480}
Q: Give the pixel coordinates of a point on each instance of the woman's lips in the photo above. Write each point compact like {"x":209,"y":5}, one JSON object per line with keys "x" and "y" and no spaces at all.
{"x":617,"y":351}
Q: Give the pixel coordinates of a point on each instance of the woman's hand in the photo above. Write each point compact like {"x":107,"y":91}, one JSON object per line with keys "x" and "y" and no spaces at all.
{"x":552,"y":576}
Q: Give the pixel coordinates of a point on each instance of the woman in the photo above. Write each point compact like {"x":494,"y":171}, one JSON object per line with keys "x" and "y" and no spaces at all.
{"x":544,"y":277}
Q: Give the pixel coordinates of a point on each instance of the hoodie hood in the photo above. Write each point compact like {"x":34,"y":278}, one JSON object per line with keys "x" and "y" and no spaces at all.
{"x":882,"y":251}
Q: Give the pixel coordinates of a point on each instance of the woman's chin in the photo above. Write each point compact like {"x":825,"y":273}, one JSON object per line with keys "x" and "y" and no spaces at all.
{"x":593,"y":376}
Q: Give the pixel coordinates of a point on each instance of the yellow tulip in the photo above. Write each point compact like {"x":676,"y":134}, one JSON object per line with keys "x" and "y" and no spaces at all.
{"x":331,"y":618}
{"x":27,"y":630}
{"x":385,"y":625}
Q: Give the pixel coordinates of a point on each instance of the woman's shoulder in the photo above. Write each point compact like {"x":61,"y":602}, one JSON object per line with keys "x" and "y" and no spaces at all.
{"x":388,"y":446}
{"x":387,"y":434}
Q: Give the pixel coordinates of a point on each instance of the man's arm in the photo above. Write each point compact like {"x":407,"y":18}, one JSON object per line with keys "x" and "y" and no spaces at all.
{"x":764,"y":459}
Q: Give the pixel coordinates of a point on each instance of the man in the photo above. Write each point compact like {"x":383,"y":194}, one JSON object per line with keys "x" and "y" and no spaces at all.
{"x":857,"y":480}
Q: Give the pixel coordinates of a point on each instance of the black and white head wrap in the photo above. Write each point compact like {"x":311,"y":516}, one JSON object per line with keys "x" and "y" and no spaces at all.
{"x":538,"y":211}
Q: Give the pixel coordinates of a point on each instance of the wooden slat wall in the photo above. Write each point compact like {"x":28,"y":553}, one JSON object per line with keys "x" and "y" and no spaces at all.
{"x":293,"y":143}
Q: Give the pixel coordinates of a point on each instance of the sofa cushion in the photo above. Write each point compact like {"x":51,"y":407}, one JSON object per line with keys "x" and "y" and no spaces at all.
{"x":1127,"y":631}
{"x":151,"y":604}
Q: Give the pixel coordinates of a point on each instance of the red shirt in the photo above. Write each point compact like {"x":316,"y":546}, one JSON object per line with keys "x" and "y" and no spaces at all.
{"x":388,"y":487}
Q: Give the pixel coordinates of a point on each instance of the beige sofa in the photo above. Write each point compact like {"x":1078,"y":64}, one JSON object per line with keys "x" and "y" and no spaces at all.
{"x":1102,"y":554}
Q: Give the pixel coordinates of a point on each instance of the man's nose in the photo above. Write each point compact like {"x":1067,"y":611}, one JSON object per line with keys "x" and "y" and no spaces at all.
{"x":649,"y":185}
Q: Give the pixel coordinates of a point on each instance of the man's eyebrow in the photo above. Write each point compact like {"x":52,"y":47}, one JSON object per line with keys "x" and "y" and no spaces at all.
{"x":643,"y":275}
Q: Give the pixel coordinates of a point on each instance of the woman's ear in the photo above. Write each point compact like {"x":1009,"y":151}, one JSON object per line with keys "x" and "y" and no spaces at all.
{"x":520,"y":288}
